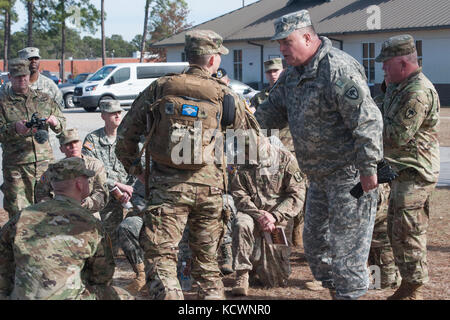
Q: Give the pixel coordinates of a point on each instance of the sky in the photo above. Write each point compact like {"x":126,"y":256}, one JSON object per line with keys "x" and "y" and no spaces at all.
{"x":129,"y":21}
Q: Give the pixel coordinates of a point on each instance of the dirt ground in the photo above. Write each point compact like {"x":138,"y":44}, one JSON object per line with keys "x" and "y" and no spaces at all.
{"x":438,"y":287}
{"x":444,"y":130}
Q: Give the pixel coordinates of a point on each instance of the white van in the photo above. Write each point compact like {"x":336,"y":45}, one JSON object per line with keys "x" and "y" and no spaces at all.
{"x":121,"y":81}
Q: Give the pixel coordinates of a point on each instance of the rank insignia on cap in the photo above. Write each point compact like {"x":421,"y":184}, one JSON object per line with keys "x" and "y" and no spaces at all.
{"x":352,"y":93}
{"x":410,"y":113}
{"x":88,"y":146}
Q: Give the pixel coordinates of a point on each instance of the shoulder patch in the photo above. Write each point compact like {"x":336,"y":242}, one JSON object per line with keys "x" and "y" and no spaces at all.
{"x":352,"y":93}
{"x":298,"y":176}
{"x":88,"y":145}
{"x":349,"y":90}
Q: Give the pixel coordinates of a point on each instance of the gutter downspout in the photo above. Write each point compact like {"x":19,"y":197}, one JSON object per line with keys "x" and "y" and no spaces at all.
{"x":261,"y":83}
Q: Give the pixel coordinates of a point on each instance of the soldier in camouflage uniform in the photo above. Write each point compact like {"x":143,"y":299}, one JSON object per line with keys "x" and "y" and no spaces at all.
{"x":411,"y":118}
{"x":60,"y":249}
{"x":182,"y":196}
{"x":381,"y":253}
{"x":101,"y":144}
{"x":39,"y":82}
{"x":70,"y":144}
{"x":337,"y":131}
{"x":264,"y":198}
{"x":24,"y":159}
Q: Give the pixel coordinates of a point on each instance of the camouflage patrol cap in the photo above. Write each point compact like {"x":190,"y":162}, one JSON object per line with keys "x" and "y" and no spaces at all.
{"x":110,"y":106}
{"x":273,"y":64}
{"x":396,"y":46}
{"x":18,"y":67}
{"x":68,"y":169}
{"x":29,"y":52}
{"x":68,"y":135}
{"x":288,"y":23}
{"x":202,"y":42}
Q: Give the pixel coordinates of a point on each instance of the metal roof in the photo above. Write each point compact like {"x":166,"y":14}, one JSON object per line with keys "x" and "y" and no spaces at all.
{"x":255,"y":21}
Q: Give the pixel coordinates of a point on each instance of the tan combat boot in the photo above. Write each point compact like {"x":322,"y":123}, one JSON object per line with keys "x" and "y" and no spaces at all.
{"x":407,"y":291}
{"x":212,"y":294}
{"x":314,"y":285}
{"x":241,"y":287}
{"x":138,"y":283}
{"x":226,"y":260}
{"x":297,"y":234}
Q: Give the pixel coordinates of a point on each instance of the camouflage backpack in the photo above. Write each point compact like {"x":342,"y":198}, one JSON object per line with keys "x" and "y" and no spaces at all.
{"x":186,"y":120}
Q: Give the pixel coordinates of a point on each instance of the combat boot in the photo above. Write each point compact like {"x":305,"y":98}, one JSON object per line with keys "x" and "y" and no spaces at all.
{"x":211,"y":294}
{"x":226,"y":261}
{"x":138,"y":283}
{"x":408,"y":291}
{"x":314,"y":285}
{"x":241,"y":287}
{"x":297,"y":234}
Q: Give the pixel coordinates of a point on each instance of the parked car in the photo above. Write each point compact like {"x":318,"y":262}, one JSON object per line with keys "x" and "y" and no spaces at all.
{"x":50,"y":75}
{"x":121,"y":81}
{"x":4,"y":78}
{"x":68,"y":88}
{"x":244,"y":90}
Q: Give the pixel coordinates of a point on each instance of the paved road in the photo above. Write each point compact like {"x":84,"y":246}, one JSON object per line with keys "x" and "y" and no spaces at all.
{"x":89,"y":121}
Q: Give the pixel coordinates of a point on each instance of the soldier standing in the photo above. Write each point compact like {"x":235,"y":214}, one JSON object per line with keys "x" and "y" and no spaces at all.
{"x":183,"y":192}
{"x":337,"y":130}
{"x":411,"y":118}
{"x":101,"y":144}
{"x":39,"y":82}
{"x":60,"y":249}
{"x":70,"y":144}
{"x":264,"y":198}
{"x":25,"y":158}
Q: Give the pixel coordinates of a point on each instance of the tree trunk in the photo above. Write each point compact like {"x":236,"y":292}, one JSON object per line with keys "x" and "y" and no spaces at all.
{"x":63,"y":41}
{"x":144,"y":34}
{"x":103,"y":33}
{"x":30,"y":8}
{"x":6,"y":40}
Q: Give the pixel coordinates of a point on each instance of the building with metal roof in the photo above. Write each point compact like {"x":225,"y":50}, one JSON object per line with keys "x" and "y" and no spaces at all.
{"x":357,"y":27}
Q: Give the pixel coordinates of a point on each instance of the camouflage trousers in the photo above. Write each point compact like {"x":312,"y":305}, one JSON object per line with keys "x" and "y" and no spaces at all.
{"x":338,"y":231}
{"x":18,"y":185}
{"x":381,"y":253}
{"x":112,"y":216}
{"x":251,"y":253}
{"x":171,"y":207}
{"x":128,"y":233}
{"x":408,"y":214}
{"x":229,"y":203}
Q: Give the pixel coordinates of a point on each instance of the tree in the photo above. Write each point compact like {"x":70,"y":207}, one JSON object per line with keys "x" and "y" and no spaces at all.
{"x":103,"y":33}
{"x":29,"y":4}
{"x":168,"y":17}
{"x":6,"y":6}
{"x":52,"y":15}
{"x":144,"y":34}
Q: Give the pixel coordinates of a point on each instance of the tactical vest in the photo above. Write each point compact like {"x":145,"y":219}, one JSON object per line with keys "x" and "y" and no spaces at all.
{"x":186,"y":119}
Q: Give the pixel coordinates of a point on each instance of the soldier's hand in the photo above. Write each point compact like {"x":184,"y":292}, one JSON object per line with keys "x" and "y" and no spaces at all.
{"x":52,"y":121}
{"x":266,"y":221}
{"x":21,"y":128}
{"x":126,"y":189}
{"x":369,"y":182}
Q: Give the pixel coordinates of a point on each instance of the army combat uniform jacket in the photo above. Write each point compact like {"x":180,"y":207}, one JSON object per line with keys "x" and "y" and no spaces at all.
{"x":99,"y":195}
{"x":54,"y":250}
{"x":333,"y":119}
{"x":22,"y":149}
{"x":411,"y":119}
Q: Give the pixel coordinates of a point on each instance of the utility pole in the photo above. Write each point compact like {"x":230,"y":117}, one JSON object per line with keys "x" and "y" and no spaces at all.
{"x":243,"y":3}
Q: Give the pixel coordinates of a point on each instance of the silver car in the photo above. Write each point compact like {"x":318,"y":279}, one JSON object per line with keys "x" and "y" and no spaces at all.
{"x":68,"y":88}
{"x":242,"y":89}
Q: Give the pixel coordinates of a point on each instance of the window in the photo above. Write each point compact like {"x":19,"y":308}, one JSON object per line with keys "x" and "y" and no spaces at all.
{"x":121,"y":75}
{"x":237,"y":64}
{"x":369,"y":61}
{"x":157,"y":71}
{"x":419,"y":51}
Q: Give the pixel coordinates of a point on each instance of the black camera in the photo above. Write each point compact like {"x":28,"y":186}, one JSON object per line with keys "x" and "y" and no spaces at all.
{"x":40,"y":124}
